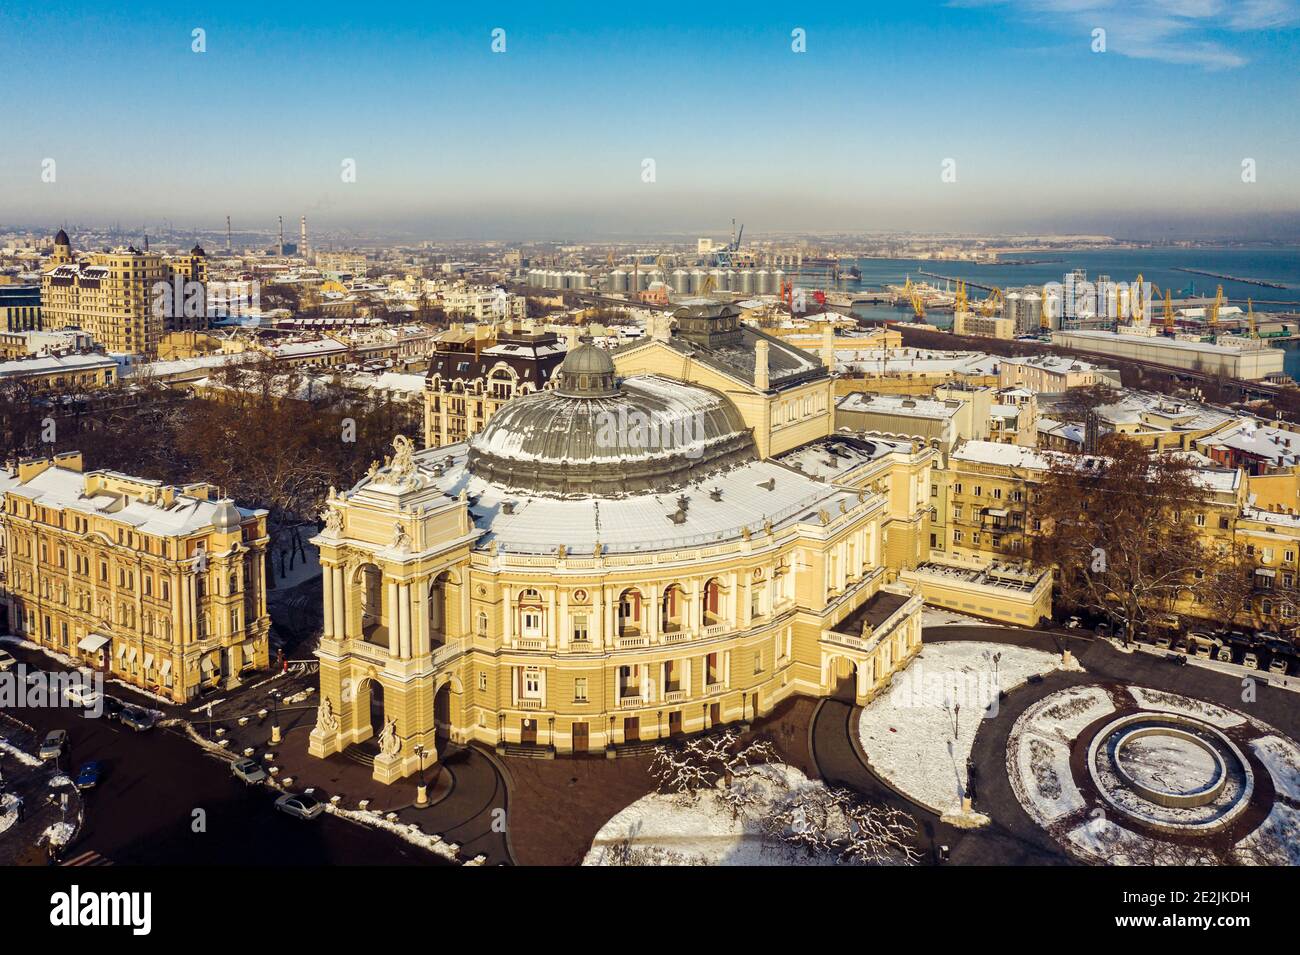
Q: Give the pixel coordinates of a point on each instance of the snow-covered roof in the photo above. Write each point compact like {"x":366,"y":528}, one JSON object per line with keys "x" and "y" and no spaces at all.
{"x":747,"y":495}
{"x":905,"y":405}
{"x":21,"y":367}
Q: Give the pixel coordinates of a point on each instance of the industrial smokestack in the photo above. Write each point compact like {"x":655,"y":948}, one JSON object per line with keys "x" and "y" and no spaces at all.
{"x":227,"y":233}
{"x":281,"y":218}
{"x":302,"y":237}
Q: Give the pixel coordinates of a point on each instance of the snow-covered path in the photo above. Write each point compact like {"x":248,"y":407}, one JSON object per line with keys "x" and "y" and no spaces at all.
{"x":919,"y":735}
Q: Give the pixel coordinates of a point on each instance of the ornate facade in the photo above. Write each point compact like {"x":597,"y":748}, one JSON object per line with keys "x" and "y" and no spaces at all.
{"x":159,"y":586}
{"x":646,"y":573}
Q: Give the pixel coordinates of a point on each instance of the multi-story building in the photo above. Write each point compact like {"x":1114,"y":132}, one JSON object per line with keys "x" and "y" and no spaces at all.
{"x":60,"y":374}
{"x":1051,"y":374}
{"x":161,"y":587}
{"x":609,"y":561}
{"x":112,"y":295}
{"x":473,"y":372}
{"x":20,"y":308}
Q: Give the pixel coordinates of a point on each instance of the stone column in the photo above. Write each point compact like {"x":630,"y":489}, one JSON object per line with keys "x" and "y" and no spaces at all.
{"x":563,"y":636}
{"x":550,"y":617}
{"x":651,"y":612}
{"x":507,"y":618}
{"x":394,"y":636}
{"x":328,"y":590}
{"x":340,"y":603}
{"x":404,"y":620}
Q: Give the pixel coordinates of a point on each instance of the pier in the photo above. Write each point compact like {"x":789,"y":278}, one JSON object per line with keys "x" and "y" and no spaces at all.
{"x":1263,"y":283}
{"x":950,"y":278}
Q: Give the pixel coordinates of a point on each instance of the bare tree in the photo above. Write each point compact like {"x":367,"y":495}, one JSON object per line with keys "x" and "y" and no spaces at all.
{"x":1120,"y":529}
{"x":707,"y":761}
{"x":823,"y":820}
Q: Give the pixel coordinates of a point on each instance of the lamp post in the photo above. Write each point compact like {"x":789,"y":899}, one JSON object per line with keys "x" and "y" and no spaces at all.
{"x":275,"y":717}
{"x":421,"y":791}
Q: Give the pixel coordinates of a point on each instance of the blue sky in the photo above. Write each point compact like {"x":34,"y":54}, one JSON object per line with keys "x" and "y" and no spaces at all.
{"x":548,"y":138}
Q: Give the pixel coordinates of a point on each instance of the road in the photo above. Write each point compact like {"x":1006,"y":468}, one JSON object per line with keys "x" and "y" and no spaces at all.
{"x":147,"y":808}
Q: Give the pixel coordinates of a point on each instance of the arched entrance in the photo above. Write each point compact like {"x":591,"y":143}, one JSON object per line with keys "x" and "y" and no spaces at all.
{"x":711,"y":606}
{"x":376,"y":694}
{"x":370,"y":593}
{"x":671,"y":609}
{"x":442,"y":717}
{"x":438,"y":609}
{"x":844,"y":680}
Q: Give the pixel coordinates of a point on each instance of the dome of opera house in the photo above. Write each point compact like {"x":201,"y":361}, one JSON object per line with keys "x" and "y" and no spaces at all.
{"x":595,"y":435}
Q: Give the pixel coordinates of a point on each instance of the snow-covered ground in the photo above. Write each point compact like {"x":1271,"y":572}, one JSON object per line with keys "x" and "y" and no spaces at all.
{"x":8,"y":810}
{"x":303,"y":569}
{"x":919,"y":735}
{"x":27,"y":759}
{"x":665,"y":829}
{"x":1038,"y":750}
{"x":939,"y":617}
{"x":1163,"y":702}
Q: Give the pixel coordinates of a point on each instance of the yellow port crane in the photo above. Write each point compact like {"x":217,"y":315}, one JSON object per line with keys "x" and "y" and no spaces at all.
{"x":992,"y":303}
{"x":961,"y":303}
{"x":1213,"y":315}
{"x":1169,"y":313}
{"x":918,"y":305}
{"x":1135,"y":302}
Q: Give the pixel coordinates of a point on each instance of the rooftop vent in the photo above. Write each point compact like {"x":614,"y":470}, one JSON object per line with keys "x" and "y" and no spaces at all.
{"x":769,"y":484}
{"x":678,"y":517}
{"x":716,"y":494}
{"x":507,"y":507}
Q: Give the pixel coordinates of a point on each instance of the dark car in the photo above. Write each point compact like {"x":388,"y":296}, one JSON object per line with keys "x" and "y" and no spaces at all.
{"x":137,"y":719}
{"x":89,"y":775}
{"x":113,"y":708}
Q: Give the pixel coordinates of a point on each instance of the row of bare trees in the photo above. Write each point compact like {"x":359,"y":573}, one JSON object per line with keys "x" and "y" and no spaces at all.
{"x":1135,"y":537}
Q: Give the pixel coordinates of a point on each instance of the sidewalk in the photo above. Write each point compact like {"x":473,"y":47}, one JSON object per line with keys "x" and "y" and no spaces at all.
{"x":39,"y":784}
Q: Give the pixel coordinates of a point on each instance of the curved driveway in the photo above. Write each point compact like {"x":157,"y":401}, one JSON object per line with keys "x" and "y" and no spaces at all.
{"x":1012,"y":838}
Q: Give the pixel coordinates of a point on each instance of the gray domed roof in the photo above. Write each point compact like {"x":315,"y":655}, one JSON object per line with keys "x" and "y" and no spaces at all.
{"x":586,"y":370}
{"x":61,"y":238}
{"x":226,"y":517}
{"x":645,"y":434}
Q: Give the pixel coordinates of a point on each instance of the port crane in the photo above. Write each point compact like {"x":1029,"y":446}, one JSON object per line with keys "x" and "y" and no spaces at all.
{"x":991,"y":304}
{"x":960,"y":303}
{"x":1169,"y":313}
{"x":723,"y":257}
{"x":918,"y":306}
{"x":1213,"y":316}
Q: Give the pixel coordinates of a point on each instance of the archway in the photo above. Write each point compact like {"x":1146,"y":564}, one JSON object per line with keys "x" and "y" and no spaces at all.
{"x":376,"y":693}
{"x":438,"y":609}
{"x":370,"y":593}
{"x":672,"y":609}
{"x":442,"y":717}
{"x":711,"y":607}
{"x":844,"y":680}
{"x":629,"y":613}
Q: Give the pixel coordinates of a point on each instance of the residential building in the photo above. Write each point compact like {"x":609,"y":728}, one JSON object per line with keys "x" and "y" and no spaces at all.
{"x":159,"y":586}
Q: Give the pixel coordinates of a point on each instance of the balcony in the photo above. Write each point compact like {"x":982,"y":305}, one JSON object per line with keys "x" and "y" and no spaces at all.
{"x":633,"y":642}
{"x":714,"y":630}
{"x":714,"y":689}
{"x":677,"y":636}
{"x":630,"y":702}
{"x":532,"y":643}
{"x":527,"y":704}
{"x":675,"y":696}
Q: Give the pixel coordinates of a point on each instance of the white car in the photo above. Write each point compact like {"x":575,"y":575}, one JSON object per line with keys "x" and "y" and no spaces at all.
{"x":1225,"y":654}
{"x":1278,"y":666}
{"x":1250,"y":660}
{"x":6,"y":660}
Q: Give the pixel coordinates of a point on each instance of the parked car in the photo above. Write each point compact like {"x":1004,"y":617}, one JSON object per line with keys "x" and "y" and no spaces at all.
{"x":54,"y":743}
{"x":1225,"y":654}
{"x":133,"y":717}
{"x":89,"y":775}
{"x":6,"y":660}
{"x":1203,"y":651}
{"x":249,"y":770}
{"x":1277,"y":665}
{"x":1250,"y":660}
{"x":1163,"y":642}
{"x":113,"y":708}
{"x":81,"y":695}
{"x":1073,"y":623}
{"x":1102,"y":630}
{"x":301,"y":806}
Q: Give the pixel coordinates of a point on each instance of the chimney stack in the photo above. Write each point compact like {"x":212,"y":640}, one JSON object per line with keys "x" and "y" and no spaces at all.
{"x":760,"y":365}
{"x":828,"y":347}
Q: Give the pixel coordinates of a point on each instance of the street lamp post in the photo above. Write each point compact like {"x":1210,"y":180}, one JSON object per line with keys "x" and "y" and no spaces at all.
{"x":422,"y":791}
{"x":275,"y":717}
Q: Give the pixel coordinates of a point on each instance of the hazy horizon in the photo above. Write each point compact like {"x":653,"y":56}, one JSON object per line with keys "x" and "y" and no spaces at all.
{"x":451,"y":140}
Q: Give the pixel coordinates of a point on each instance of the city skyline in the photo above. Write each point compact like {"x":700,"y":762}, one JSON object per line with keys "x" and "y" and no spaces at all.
{"x":451,"y":139}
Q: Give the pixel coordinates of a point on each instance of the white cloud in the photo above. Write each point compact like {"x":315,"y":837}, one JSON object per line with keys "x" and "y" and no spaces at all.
{"x":1171,"y":31}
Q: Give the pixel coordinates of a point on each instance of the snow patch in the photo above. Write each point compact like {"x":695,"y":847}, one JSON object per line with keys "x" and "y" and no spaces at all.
{"x":1173,"y":703}
{"x":919,"y":735}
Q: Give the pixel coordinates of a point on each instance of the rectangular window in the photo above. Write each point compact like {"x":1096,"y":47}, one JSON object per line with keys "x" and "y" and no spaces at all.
{"x":580,"y":690}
